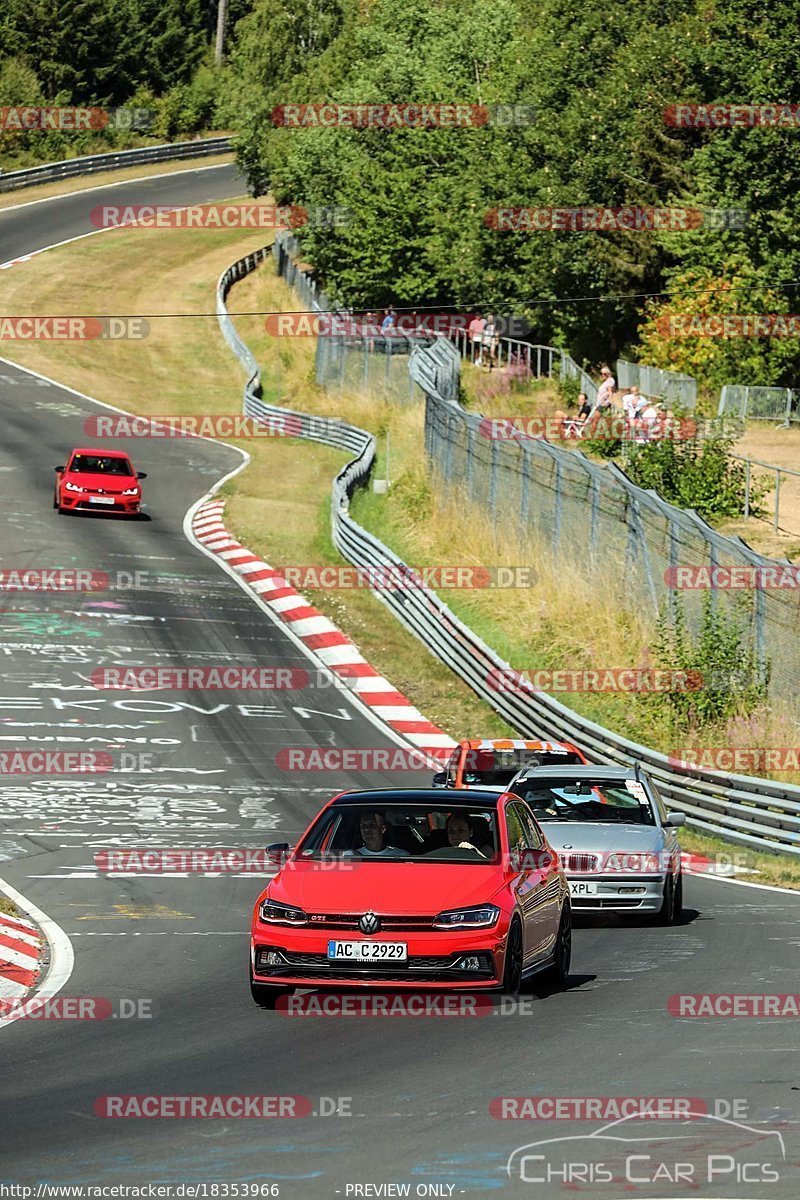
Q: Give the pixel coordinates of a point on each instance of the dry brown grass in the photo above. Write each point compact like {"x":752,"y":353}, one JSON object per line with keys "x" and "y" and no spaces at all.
{"x":279,"y":505}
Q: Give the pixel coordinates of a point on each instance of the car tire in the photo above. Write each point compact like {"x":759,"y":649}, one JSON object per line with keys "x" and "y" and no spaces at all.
{"x":677,"y":904}
{"x":557,"y":974}
{"x":265,"y":996}
{"x":666,"y":914}
{"x":512,"y":969}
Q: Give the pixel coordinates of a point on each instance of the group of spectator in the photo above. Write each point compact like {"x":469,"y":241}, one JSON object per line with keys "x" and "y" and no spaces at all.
{"x":484,"y":340}
{"x":642,"y":415}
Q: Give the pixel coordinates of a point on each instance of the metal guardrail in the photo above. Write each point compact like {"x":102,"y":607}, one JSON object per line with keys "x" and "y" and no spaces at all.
{"x":758,"y":813}
{"x":89,"y":164}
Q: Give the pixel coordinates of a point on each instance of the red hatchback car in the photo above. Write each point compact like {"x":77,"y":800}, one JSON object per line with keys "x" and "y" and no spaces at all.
{"x":424,"y":889}
{"x":98,"y":480}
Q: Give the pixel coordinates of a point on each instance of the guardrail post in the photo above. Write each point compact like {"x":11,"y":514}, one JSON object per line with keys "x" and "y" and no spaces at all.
{"x":493,"y":479}
{"x":747,"y":489}
{"x":713,"y":562}
{"x":526,"y":484}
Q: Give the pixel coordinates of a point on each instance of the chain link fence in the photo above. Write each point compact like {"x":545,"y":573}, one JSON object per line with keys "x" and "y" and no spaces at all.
{"x":753,"y":812}
{"x":592,"y":516}
{"x":375,"y":366}
{"x":670,"y":386}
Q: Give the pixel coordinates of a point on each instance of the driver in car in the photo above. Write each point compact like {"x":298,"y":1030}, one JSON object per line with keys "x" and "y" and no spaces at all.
{"x":373,"y":830}
{"x":461,"y":833}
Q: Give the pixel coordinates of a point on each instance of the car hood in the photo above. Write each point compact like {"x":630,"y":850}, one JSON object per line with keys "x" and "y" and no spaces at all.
{"x":602,"y":835}
{"x":385,"y":887}
{"x":100,"y":479}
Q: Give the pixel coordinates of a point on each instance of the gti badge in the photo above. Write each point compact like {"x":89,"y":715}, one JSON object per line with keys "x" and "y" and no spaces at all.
{"x":369,"y":923}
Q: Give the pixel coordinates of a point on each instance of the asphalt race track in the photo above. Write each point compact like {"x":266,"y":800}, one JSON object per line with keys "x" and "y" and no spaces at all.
{"x":409,"y":1098}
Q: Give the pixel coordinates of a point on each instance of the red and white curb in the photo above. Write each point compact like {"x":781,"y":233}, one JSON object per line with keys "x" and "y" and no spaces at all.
{"x":12,"y":262}
{"x":20,"y":950}
{"x":318,"y":633}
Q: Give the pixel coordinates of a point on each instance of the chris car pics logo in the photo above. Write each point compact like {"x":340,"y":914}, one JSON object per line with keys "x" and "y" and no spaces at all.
{"x":637,"y":1154}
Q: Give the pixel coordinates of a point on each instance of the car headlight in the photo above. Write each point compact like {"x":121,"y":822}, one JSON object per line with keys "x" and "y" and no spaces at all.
{"x":626,"y":862}
{"x":282,"y":914}
{"x":73,"y":487}
{"x":134,"y":491}
{"x":479,"y":917}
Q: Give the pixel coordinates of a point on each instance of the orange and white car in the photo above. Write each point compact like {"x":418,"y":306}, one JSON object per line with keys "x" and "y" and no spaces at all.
{"x":489,"y":764}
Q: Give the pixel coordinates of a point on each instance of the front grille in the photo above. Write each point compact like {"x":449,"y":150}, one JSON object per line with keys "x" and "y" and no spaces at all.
{"x":390,"y":923}
{"x":578,"y":863}
{"x":601,"y":902}
{"x":318,"y":966}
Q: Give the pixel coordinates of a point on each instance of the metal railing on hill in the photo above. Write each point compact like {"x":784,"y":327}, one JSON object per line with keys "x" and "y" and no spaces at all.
{"x":749,"y":811}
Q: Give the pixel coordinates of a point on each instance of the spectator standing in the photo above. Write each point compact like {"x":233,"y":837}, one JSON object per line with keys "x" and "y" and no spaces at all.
{"x":475,"y":333}
{"x":608,"y":385}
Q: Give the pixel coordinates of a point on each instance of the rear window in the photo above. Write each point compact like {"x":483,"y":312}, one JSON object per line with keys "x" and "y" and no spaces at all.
{"x":496,"y":768}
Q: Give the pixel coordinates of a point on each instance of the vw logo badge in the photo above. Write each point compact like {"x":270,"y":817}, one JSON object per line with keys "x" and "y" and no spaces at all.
{"x":369,"y":923}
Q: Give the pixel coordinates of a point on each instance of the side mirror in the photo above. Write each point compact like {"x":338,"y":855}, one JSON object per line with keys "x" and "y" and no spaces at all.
{"x":675,"y":819}
{"x":533,"y":860}
{"x":59,"y":469}
{"x":439,"y":780}
{"x":141,"y":474}
{"x":277,"y":853}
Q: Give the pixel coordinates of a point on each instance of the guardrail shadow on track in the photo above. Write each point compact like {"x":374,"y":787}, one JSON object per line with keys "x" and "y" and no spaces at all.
{"x":758,"y":813}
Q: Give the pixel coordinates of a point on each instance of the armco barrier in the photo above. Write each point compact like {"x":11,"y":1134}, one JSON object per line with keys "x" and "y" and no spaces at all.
{"x":753,"y":812}
{"x":89,"y":164}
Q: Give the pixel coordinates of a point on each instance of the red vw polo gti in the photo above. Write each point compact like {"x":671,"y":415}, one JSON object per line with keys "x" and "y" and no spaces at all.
{"x":423,"y":888}
{"x":100,"y":480}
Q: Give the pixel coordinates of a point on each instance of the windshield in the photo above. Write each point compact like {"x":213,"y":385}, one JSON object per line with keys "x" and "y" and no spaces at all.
{"x":407,"y":833}
{"x":496,"y":768}
{"x":625,"y":801}
{"x":100,"y":464}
